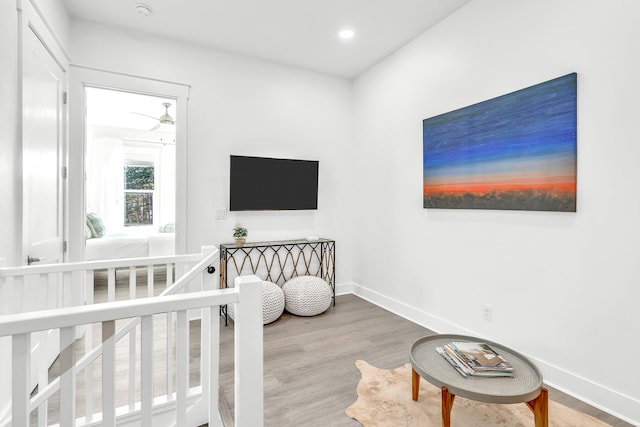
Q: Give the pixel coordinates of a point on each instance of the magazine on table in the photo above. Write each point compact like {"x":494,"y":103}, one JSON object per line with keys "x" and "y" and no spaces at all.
{"x":476,"y":359}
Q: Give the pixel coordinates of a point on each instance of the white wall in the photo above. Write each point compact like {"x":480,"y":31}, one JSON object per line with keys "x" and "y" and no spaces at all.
{"x":243,"y":106}
{"x":563,"y":286}
{"x":10,"y":191}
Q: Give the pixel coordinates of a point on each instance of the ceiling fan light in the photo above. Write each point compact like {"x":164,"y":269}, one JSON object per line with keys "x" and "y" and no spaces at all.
{"x":166,"y":118}
{"x":143,"y":9}
{"x":346,"y":34}
{"x":166,"y":127}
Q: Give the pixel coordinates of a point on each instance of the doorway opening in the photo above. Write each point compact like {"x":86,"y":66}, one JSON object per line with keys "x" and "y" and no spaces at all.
{"x":130,"y":164}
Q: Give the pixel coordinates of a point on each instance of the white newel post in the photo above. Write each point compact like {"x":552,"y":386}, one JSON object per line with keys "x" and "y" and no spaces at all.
{"x":210,"y":344}
{"x":249,"y":403}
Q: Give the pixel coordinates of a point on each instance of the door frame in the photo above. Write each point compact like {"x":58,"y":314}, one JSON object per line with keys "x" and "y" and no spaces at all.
{"x":83,"y":76}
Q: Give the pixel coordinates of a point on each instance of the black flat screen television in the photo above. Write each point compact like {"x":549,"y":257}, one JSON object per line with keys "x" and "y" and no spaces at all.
{"x":262,"y":183}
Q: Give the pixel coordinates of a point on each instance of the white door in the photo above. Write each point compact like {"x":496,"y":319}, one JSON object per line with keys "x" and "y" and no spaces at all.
{"x":42,"y":153}
{"x":43,"y":88}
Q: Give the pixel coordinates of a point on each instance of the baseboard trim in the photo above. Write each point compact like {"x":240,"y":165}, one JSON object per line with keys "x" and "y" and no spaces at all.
{"x":605,"y":399}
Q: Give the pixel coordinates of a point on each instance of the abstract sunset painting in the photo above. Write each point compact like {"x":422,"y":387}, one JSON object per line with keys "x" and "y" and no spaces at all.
{"x":516,"y":151}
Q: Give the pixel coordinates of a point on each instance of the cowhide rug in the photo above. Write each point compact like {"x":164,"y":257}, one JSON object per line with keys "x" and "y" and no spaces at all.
{"x":384,"y":399}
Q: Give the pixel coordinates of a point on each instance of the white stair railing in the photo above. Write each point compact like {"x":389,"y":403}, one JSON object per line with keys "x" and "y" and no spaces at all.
{"x":181,"y":405}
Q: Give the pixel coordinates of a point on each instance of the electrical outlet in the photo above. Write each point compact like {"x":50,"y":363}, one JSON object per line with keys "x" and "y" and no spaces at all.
{"x":487,"y":312}
{"x":221,"y":214}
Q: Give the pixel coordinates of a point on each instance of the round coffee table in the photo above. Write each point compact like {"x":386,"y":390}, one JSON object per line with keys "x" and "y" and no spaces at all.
{"x":525,"y":386}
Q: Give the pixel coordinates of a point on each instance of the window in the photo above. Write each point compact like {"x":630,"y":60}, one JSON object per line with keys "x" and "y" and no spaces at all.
{"x":138,"y":194}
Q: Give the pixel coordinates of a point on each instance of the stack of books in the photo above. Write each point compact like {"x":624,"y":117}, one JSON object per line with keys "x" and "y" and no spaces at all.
{"x":476,"y":359}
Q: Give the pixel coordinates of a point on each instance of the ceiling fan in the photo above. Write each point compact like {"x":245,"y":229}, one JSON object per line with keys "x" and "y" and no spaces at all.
{"x":164,"y":120}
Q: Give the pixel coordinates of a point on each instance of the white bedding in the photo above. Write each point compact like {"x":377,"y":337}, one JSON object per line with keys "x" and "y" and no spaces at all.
{"x":128,"y":245}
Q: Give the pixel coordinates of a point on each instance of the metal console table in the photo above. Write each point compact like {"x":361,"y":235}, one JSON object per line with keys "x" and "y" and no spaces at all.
{"x":279,"y":261}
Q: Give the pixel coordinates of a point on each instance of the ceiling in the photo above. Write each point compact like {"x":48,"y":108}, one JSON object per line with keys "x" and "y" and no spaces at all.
{"x":301,"y":33}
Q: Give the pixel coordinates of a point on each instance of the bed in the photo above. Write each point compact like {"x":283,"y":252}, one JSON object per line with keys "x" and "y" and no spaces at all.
{"x":129,"y":245}
{"x":132,"y":242}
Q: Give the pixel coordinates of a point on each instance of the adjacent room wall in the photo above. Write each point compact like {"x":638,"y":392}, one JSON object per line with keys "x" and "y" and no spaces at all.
{"x":243,"y":106}
{"x":562,"y":285}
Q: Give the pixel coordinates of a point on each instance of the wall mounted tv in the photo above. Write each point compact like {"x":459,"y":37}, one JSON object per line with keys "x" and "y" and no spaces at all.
{"x":262,"y":183}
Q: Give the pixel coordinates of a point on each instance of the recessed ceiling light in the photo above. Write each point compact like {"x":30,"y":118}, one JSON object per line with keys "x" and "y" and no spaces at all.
{"x":143,"y":10}
{"x":346,"y":34}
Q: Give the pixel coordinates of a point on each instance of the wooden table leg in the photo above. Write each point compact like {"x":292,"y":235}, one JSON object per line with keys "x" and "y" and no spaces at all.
{"x":415,"y":384}
{"x":540,"y":408}
{"x":447,"y":404}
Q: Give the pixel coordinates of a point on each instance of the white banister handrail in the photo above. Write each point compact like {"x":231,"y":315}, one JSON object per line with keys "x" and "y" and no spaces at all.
{"x":249,"y":406}
{"x":188,"y":405}
{"x":209,"y":252}
{"x":180,"y":283}
{"x":14,"y":324}
{"x":96,"y":265}
{"x":191,"y":274}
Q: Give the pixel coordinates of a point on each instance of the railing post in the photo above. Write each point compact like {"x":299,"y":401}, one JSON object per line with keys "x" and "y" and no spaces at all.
{"x":88,"y":345}
{"x":210,"y":345}
{"x":108,"y":373}
{"x":146,"y":370}
{"x":20,"y":375}
{"x":67,"y":361}
{"x":182,"y":366}
{"x":249,"y":400}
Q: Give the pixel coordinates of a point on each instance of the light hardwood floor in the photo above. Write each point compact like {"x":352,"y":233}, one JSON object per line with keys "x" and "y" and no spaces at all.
{"x":309,"y":373}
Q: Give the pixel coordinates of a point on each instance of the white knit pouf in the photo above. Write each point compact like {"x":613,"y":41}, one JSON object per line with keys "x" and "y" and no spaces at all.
{"x":272,"y":303}
{"x":306,"y":295}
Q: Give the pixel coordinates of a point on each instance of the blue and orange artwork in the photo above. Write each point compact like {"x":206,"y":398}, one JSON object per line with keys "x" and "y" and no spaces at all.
{"x":516,"y":151}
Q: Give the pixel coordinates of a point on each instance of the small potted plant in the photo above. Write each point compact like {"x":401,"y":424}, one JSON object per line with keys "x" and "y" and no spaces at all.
{"x":240,"y":233}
